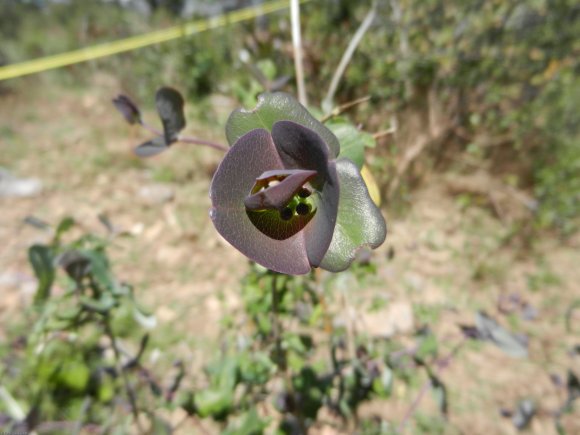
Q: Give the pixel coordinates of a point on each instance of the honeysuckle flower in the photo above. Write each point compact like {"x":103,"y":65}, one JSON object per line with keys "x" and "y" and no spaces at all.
{"x":284,"y":197}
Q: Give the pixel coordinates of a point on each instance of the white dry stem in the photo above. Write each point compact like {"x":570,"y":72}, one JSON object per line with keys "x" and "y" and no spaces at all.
{"x":347,"y":56}
{"x":297,"y":47}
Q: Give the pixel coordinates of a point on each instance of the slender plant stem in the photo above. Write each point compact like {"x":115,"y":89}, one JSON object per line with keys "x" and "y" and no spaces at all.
{"x":297,"y":47}
{"x":196,"y":141}
{"x":441,"y":365}
{"x":76,"y":430}
{"x":404,"y":46}
{"x":347,"y":56}
{"x":344,"y":107}
{"x":276,"y":324}
{"x":151,"y":129}
{"x":187,"y":139}
{"x":128,"y":388}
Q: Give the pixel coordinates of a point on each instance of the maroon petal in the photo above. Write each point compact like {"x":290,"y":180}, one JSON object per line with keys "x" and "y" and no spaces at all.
{"x":251,"y":156}
{"x":277,"y":196}
{"x":302,"y":148}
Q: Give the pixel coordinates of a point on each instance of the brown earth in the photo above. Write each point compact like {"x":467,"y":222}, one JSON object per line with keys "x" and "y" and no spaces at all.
{"x":450,"y":260}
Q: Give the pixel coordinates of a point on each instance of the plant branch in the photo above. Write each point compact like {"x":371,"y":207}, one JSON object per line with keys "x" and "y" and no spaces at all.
{"x":344,"y":107}
{"x":151,"y":128}
{"x":441,"y":365}
{"x":297,"y":47}
{"x":347,"y":56}
{"x":187,"y":139}
{"x":196,"y":141}
{"x":404,"y":46}
{"x":128,"y":388}
{"x":276,"y":324}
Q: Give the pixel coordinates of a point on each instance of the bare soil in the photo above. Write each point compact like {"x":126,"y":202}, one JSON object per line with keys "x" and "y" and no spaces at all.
{"x":450,"y":260}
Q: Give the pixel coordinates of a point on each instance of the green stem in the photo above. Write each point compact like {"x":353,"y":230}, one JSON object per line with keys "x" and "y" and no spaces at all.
{"x":278,"y":352}
{"x":122,"y":372}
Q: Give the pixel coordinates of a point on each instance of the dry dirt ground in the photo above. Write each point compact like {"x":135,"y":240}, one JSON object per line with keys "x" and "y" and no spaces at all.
{"x":449,"y":260}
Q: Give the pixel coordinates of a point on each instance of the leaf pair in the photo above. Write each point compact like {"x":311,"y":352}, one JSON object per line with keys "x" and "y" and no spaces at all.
{"x":169,"y":103}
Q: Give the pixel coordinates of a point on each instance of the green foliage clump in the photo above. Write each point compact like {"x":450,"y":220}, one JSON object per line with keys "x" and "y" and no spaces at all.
{"x":69,"y":366}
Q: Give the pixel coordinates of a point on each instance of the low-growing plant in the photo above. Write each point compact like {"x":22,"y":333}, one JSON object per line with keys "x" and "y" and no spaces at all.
{"x":72,"y":366}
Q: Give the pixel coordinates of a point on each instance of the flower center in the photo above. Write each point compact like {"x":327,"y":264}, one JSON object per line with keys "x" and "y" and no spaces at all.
{"x":281,"y":202}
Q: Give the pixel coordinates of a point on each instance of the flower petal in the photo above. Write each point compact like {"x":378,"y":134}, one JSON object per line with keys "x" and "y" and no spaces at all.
{"x":252,"y":155}
{"x":300,"y":147}
{"x":277,"y":196}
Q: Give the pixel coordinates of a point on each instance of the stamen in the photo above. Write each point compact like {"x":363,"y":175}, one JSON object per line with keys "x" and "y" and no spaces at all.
{"x":302,"y":209}
{"x":286,"y":214}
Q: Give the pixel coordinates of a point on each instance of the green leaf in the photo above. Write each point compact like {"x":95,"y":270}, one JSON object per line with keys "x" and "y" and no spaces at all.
{"x":101,"y":271}
{"x":352,"y":141}
{"x":359,"y":221}
{"x":439,"y":393}
{"x":383,"y":384}
{"x":428,"y":347}
{"x":64,"y":225}
{"x":160,"y":426}
{"x":169,"y":104}
{"x":41,"y":259}
{"x":273,"y":107}
{"x":249,"y":423}
{"x":12,"y":407}
{"x":224,"y":374}
{"x":74,"y":375}
{"x":102,"y":305}
{"x":214,"y":402}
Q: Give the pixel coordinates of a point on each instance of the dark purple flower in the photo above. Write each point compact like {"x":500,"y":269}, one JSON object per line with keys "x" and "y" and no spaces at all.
{"x":276,"y":193}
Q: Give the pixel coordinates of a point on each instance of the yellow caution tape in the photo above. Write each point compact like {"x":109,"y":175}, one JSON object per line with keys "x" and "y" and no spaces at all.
{"x":134,"y":42}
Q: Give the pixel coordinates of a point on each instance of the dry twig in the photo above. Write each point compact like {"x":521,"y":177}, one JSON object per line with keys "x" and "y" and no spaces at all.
{"x":347,"y":56}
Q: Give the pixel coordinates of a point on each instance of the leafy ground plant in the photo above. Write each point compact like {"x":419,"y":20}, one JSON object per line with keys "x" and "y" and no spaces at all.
{"x":73,"y":368}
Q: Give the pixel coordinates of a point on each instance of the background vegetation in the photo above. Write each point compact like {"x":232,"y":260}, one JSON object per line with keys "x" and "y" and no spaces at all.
{"x":473,"y":107}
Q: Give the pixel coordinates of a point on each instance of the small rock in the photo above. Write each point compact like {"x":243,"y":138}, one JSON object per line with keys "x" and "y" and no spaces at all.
{"x":395,"y":319}
{"x":14,"y":187}
{"x":155,"y":194}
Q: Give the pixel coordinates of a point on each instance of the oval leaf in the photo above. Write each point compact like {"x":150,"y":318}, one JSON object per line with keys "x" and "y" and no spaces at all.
{"x":128,"y":109}
{"x":41,"y":259}
{"x":170,"y":104}
{"x":359,"y":221}
{"x":352,"y":141}
{"x":273,"y":107}
{"x":151,"y":147}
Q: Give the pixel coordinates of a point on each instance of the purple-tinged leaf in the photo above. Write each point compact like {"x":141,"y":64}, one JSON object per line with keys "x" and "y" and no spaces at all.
{"x":151,"y":147}
{"x":75,"y":263}
{"x":471,"y":332}
{"x":128,"y":109}
{"x":170,"y":104}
